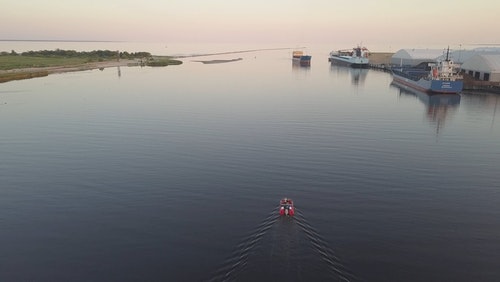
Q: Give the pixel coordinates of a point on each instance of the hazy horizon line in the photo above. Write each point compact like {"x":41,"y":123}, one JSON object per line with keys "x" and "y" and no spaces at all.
{"x":59,"y":40}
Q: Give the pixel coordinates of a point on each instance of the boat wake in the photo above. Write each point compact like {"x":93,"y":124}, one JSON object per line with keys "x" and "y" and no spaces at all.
{"x":238,"y":260}
{"x":283,"y":247}
{"x":335,"y":266}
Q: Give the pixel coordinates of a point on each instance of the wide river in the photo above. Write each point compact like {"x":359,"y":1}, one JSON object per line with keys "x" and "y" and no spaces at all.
{"x":175,"y":174}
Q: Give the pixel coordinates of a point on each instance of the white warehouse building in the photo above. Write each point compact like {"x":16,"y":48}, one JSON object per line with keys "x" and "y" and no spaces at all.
{"x":413,"y":57}
{"x":484,"y":67}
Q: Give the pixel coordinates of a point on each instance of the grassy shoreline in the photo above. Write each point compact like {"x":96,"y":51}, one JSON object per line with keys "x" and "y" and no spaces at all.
{"x":32,"y":64}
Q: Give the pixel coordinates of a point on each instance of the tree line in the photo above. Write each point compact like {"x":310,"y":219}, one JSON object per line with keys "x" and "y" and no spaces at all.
{"x":101,"y":54}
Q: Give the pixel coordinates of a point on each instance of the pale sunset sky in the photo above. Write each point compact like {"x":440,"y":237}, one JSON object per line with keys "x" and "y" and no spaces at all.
{"x":379,"y":22}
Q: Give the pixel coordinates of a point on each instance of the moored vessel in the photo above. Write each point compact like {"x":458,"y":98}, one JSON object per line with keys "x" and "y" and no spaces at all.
{"x":356,"y":57}
{"x":439,"y":78}
{"x":298,"y":56}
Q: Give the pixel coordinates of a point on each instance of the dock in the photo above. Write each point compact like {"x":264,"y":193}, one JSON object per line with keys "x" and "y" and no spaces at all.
{"x":380,"y":61}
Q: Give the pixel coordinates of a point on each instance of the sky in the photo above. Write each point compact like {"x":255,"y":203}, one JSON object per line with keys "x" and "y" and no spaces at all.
{"x":370,"y":22}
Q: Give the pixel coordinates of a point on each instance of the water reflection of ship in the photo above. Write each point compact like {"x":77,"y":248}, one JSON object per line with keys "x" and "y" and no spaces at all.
{"x":483,"y":102}
{"x":439,"y":106}
{"x":299,"y":70}
{"x":358,"y":75}
{"x":296,"y":64}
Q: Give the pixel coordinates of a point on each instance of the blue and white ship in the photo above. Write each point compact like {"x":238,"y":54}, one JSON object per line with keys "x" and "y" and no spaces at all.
{"x":439,"y":77}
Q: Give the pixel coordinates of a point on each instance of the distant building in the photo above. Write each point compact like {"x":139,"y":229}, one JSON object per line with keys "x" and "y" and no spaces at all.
{"x":413,"y":57}
{"x":483,"y":66}
{"x":460,"y":56}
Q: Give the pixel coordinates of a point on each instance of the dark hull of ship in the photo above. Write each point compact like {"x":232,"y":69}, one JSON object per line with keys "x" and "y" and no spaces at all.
{"x":346,"y":62}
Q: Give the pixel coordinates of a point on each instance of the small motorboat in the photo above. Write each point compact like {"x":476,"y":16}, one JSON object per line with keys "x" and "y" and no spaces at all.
{"x":286,"y":207}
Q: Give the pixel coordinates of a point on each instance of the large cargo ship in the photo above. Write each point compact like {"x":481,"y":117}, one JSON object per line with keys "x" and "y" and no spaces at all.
{"x":439,"y":77}
{"x":356,"y":57}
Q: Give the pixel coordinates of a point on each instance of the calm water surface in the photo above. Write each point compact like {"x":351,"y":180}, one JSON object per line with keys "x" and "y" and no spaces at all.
{"x":175,"y":174}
